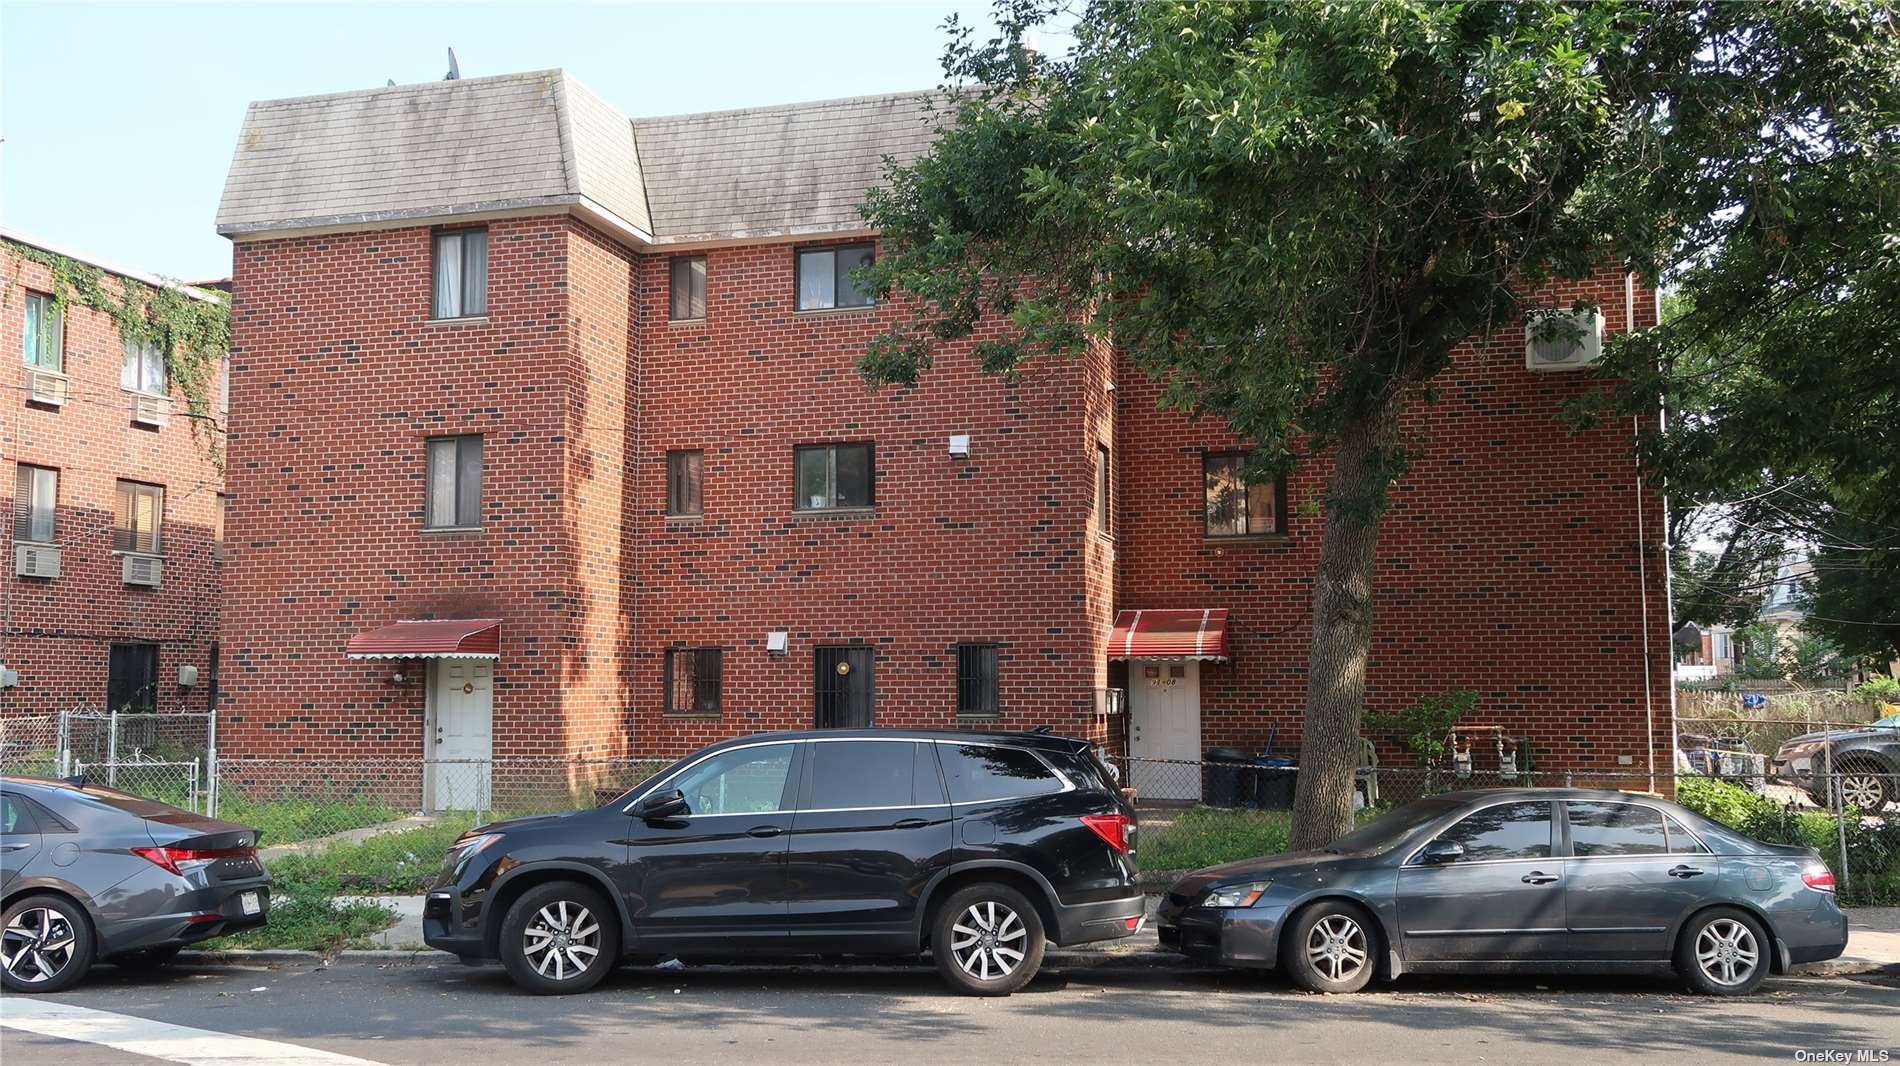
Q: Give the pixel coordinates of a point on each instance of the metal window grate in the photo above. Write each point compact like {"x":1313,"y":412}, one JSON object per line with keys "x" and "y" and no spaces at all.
{"x":693,"y":679}
{"x":977,"y":682}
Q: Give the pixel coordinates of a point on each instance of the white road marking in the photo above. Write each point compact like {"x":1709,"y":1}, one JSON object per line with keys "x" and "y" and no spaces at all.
{"x":159,"y":1040}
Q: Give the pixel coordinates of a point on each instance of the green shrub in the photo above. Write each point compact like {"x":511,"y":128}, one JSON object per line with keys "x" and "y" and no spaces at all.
{"x":404,"y":861}
{"x":305,"y":916}
{"x":1204,"y":836}
{"x":1878,"y":689}
{"x":1872,"y":875}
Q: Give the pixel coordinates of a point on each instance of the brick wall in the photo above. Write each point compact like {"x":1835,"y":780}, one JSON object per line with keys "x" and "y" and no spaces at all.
{"x":1511,"y":562}
{"x":58,"y":633}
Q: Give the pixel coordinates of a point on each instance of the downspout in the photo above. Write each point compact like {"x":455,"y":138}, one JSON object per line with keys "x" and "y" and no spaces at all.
{"x":1642,"y":556}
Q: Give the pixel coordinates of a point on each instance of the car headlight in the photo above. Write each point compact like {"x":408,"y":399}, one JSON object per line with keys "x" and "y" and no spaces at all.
{"x":460,"y":851}
{"x":1242,"y":895}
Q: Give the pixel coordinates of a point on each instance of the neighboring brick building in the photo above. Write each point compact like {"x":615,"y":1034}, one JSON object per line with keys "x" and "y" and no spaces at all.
{"x":579,"y":392}
{"x":112,"y":561}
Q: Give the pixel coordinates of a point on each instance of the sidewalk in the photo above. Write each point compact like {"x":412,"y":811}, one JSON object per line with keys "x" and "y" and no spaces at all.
{"x":1873,"y":941}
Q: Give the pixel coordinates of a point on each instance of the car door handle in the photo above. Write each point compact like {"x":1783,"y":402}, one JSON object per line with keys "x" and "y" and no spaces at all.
{"x":16,"y":846}
{"x":911,"y":823}
{"x":764,"y":831}
{"x":1538,"y":877}
{"x":1684,"y":871}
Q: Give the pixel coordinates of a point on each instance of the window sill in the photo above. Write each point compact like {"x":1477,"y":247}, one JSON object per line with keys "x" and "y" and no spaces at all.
{"x":139,"y":555}
{"x":685,"y":519}
{"x":824,"y":312}
{"x":464,"y":320}
{"x":1261,"y":539}
{"x":687,"y":716}
{"x":451,"y":529}
{"x":686,"y":323}
{"x":146,"y":394}
{"x":963,"y":716}
{"x":831,"y":514}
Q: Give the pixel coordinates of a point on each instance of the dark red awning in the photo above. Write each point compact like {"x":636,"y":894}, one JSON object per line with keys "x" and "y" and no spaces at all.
{"x":1191,"y":634}
{"x":436,"y":638}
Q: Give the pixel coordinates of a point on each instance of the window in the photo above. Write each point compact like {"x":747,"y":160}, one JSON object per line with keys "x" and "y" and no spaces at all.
{"x":1615,"y":829}
{"x":976,"y":680}
{"x":137,"y":517}
{"x":824,"y":277}
{"x":143,"y":368}
{"x":741,"y":781}
{"x":1235,"y":508}
{"x":35,"y":499}
{"x":832,"y":476}
{"x":455,"y":483}
{"x":1505,"y":831}
{"x":692,"y":677}
{"x":861,"y":773}
{"x":14,"y":817}
{"x":45,"y":334}
{"x":222,"y":502}
{"x":1681,"y":841}
{"x":686,"y":294}
{"x":132,"y":678}
{"x":461,"y":273}
{"x":1103,"y":519}
{"x":683,"y":483}
{"x":980,"y":772}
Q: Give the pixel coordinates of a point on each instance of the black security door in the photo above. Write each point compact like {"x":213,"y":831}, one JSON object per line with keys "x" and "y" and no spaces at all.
{"x":842,"y":687}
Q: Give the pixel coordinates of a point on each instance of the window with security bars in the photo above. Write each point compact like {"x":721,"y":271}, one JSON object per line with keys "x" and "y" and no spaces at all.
{"x":35,"y":500}
{"x":683,"y":483}
{"x":137,"y":516}
{"x":692,"y":678}
{"x":976,"y":680}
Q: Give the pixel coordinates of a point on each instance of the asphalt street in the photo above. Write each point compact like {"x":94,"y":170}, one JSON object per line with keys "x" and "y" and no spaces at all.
{"x":400,"y":1012}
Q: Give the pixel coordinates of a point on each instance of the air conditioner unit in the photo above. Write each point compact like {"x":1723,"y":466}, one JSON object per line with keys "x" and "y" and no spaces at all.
{"x":151,"y":410}
{"x":143,"y":570}
{"x":44,"y":386}
{"x":1562,"y":340}
{"x":35,"y":560}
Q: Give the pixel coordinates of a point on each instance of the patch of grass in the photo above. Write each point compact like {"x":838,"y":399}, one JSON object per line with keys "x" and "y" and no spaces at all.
{"x":305,"y":917}
{"x":288,"y":821}
{"x":1206,"y":836}
{"x":404,"y":861}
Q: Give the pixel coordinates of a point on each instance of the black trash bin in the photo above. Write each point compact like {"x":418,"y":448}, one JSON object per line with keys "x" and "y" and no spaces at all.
{"x":1274,"y":778}
{"x":1222,"y":775}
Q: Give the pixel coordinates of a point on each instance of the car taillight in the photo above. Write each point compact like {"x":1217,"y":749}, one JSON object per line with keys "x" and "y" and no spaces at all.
{"x":1110,"y":827}
{"x":177,"y":860}
{"x":1819,"y":878}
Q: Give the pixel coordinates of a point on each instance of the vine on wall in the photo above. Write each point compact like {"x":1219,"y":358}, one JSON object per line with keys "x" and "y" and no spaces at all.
{"x":193,"y":334}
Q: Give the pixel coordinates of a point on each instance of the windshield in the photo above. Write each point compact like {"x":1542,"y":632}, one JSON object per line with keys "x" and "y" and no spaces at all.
{"x":1891,"y":721}
{"x":1392,"y":826}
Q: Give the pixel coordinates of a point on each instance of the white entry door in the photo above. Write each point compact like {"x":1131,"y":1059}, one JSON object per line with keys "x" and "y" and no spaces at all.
{"x":460,"y":735}
{"x":1164,"y":723}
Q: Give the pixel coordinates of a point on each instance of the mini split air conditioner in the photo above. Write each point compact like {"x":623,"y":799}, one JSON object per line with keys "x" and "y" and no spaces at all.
{"x":143,"y":570}
{"x":151,"y":410}
{"x":35,"y":560}
{"x":1562,"y":340}
{"x":45,"y":387}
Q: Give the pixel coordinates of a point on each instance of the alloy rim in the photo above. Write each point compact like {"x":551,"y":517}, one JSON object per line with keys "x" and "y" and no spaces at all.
{"x":988,"y":942}
{"x":1337,"y":947}
{"x":1861,"y":790}
{"x":561,"y":941}
{"x":1726,"y":951}
{"x":37,"y":945}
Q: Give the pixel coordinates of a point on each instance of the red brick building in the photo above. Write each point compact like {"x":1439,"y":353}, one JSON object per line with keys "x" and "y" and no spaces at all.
{"x":111,"y":592}
{"x":548,"y":439}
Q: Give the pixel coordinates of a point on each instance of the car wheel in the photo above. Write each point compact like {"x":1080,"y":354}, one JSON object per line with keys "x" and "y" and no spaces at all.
{"x":1863,"y":787}
{"x":146,"y":959}
{"x":45,"y":945}
{"x":1331,"y":947}
{"x":987,"y":940}
{"x":1723,"y":952}
{"x":559,"y":938}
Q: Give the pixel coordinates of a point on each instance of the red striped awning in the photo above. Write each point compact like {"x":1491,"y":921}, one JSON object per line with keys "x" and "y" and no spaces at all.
{"x":435,"y":638}
{"x":1191,"y":634}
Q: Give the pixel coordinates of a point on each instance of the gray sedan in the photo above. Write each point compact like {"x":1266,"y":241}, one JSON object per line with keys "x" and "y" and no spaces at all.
{"x":91,"y":873}
{"x":1516,"y":880}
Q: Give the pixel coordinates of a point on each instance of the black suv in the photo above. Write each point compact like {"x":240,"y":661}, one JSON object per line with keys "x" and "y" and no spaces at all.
{"x":979,"y":848}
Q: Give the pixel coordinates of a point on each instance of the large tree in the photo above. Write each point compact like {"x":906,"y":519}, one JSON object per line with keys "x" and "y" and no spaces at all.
{"x":1290,"y":214}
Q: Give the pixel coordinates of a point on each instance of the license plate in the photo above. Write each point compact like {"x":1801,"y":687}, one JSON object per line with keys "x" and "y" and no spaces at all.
{"x":250,"y":904}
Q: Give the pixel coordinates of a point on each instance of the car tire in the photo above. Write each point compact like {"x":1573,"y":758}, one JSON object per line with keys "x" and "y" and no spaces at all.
{"x":147,"y":958}
{"x":1724,"y":952}
{"x":560,"y":938}
{"x":1331,"y":946}
{"x":987,"y":940}
{"x":48,"y":944}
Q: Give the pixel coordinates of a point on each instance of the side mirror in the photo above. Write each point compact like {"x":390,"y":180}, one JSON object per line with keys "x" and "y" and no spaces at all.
{"x":665,"y":803}
{"x":1440,"y":852}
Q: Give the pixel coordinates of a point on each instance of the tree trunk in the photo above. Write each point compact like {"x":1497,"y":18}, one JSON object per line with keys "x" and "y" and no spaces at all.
{"x":1330,"y":745}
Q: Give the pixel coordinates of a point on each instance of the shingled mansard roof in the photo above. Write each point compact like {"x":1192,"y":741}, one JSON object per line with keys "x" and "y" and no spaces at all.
{"x":480,"y":147}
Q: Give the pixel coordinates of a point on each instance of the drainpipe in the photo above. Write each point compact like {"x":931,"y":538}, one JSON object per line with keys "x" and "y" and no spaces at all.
{"x":1642,"y":560}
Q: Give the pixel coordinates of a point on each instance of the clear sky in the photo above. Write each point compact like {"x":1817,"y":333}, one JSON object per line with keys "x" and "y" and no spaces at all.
{"x":119,"y":119}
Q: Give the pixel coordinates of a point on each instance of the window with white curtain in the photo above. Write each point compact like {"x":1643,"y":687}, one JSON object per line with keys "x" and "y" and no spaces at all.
{"x":824,"y":277}
{"x":461,"y":273}
{"x":143,"y":368}
{"x":44,"y":339}
{"x":455,"y":483}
